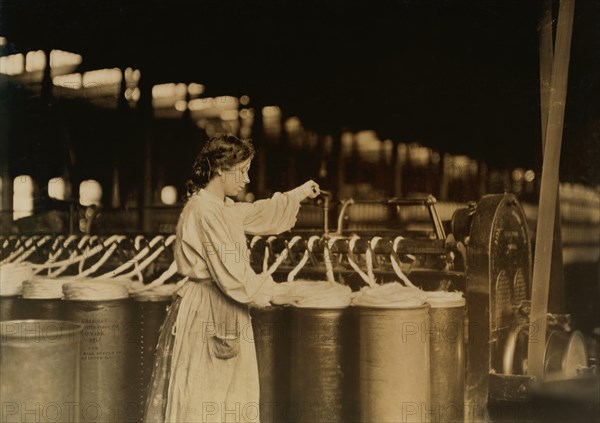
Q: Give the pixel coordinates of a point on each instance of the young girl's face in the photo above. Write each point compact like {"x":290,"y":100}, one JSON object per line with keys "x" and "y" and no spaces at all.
{"x":236,"y":178}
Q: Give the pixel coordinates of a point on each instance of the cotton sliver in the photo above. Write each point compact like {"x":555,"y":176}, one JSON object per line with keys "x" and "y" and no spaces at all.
{"x":390,"y":295}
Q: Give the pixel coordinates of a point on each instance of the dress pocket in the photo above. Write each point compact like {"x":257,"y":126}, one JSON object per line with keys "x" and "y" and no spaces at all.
{"x":225,"y":347}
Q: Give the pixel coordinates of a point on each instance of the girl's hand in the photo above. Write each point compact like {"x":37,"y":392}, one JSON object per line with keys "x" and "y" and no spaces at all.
{"x":311,"y":189}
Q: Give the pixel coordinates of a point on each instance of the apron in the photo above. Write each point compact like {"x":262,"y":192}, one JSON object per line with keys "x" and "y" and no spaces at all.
{"x":205,"y":368}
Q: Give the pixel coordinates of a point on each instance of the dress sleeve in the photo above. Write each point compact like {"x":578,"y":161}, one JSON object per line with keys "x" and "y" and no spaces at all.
{"x":229,"y":263}
{"x":273,"y":215}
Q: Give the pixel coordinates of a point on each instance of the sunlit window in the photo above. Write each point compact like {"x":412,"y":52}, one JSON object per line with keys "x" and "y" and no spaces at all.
{"x":132,"y":94}
{"x":90,"y":193}
{"x":60,"y":58}
{"x":368,"y":145}
{"x":229,"y":114}
{"x":517,"y":174}
{"x":169,"y":90}
{"x":168,"y":195}
{"x":226,"y":102}
{"x":35,"y":61}
{"x":421,"y":156}
{"x":246,"y":114}
{"x":132,"y":76}
{"x":71,"y":81}
{"x":201,"y":103}
{"x":215,"y":107}
{"x":57,"y":188}
{"x":23,"y":190}
{"x":12,"y":65}
{"x":529,"y":175}
{"x":292,"y":124}
{"x":181,"y":105}
{"x":347,"y":142}
{"x":102,"y":77}
{"x":271,"y":112}
{"x":195,"y":90}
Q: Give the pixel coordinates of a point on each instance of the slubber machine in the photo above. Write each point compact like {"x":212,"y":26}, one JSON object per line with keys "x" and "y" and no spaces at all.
{"x":484,"y":251}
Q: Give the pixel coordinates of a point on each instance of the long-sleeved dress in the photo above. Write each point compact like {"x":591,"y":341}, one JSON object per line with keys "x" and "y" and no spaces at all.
{"x":205,"y":368}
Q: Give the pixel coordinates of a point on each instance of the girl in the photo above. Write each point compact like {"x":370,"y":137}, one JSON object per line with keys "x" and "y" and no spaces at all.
{"x":206,"y":369}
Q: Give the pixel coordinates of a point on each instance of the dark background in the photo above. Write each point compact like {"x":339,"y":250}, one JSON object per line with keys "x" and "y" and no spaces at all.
{"x":458,"y":76}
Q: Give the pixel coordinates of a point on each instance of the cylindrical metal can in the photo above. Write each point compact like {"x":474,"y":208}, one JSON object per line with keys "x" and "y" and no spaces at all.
{"x":108,"y":350}
{"x":447,"y":319}
{"x":270,"y":327}
{"x":26,"y":308}
{"x":41,"y":299}
{"x":394,"y":364}
{"x":39,"y":363}
{"x":151,"y":310}
{"x":317,"y":373}
{"x":8,"y":307}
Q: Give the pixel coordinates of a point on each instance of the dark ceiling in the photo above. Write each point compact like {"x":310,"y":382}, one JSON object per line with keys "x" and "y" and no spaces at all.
{"x":461,"y":76}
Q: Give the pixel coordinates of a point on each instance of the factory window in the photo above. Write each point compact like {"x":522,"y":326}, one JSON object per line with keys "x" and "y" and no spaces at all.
{"x":168,"y":195}
{"x":90,"y":193}
{"x":23,"y":190}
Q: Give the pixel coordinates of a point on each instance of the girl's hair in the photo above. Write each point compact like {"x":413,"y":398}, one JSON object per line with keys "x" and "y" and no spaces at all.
{"x":220,"y":152}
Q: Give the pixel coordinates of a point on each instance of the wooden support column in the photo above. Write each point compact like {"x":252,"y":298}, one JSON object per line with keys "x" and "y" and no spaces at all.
{"x":144,"y":113}
{"x":556,"y":300}
{"x":482,"y":188}
{"x":396,"y":171}
{"x":336,"y":171}
{"x":122,"y":118}
{"x":260,"y":142}
{"x":6,"y":188}
{"x":288,"y":150}
{"x":47,"y":80}
{"x":549,"y":187}
{"x":444,"y":178}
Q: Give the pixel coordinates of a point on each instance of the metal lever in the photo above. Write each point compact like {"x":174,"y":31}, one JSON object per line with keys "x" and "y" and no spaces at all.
{"x":326,"y":198}
{"x":345,"y":204}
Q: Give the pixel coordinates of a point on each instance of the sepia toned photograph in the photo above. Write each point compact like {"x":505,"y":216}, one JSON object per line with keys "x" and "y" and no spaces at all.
{"x":278,"y":211}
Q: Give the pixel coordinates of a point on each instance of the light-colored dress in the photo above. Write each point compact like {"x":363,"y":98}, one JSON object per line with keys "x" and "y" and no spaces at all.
{"x":205,"y":368}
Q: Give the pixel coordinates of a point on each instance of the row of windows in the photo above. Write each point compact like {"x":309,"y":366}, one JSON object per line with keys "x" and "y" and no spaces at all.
{"x":90,"y":193}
